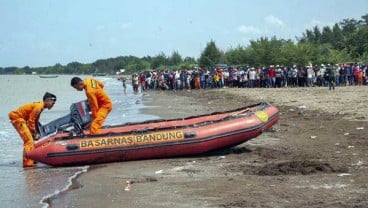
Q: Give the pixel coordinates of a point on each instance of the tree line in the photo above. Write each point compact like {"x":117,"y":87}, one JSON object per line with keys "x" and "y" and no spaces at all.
{"x":345,"y":41}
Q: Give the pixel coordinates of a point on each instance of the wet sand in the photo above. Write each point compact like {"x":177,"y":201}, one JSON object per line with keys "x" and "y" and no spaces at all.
{"x":316,"y":156}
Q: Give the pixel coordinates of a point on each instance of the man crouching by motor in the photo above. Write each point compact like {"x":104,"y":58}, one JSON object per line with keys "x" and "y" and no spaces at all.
{"x":25,"y":119}
{"x":99,"y":102}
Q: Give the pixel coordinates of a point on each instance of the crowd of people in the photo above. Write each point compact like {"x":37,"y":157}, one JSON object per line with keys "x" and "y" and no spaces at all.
{"x":274,"y":76}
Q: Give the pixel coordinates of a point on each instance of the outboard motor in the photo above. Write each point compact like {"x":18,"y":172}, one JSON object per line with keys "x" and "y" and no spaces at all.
{"x":74,"y":122}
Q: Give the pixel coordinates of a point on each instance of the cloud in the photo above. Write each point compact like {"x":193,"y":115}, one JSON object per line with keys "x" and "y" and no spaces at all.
{"x":249,"y":30}
{"x":126,"y":25}
{"x":272,"y":20}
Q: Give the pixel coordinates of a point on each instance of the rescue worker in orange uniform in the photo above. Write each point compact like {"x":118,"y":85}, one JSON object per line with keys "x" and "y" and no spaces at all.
{"x":25,"y":119}
{"x":98,"y":101}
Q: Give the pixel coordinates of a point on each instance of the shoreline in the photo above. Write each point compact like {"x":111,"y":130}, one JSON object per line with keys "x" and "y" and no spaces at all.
{"x":305,"y":168}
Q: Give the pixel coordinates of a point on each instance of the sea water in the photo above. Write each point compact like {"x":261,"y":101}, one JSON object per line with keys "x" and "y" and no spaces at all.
{"x":32,"y":187}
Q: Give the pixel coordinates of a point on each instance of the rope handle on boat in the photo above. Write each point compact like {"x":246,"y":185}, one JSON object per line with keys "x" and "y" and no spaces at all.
{"x":142,"y":131}
{"x":263,"y":105}
{"x":240,"y":112}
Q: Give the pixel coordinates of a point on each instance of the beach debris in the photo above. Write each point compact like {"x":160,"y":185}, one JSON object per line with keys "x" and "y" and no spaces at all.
{"x":337,"y":144}
{"x":337,"y":152}
{"x":350,"y":146}
{"x":302,"y":107}
{"x":313,"y":137}
{"x":275,"y":128}
{"x":346,"y":134}
{"x":187,"y":166}
{"x":326,"y":186}
{"x":128,"y":186}
{"x":191,"y":162}
{"x":343,"y":174}
{"x":159,"y":172}
{"x":177,"y":169}
{"x":359,"y":163}
{"x":360,"y":128}
{"x":222,"y":157}
{"x":291,"y":110}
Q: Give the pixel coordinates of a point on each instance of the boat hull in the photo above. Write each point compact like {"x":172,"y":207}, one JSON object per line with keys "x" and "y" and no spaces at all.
{"x":158,"y":139}
{"x":49,"y":76}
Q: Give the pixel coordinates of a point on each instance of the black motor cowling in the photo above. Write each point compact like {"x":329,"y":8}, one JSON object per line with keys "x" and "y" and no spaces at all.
{"x":74,"y":122}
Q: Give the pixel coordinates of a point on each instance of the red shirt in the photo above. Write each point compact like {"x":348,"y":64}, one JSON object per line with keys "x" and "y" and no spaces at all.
{"x":271,"y":72}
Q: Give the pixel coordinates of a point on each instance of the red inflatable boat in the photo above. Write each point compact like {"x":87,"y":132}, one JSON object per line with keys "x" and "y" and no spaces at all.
{"x":157,"y":138}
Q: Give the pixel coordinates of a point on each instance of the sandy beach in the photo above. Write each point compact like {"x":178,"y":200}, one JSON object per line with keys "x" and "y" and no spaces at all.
{"x":316,"y":156}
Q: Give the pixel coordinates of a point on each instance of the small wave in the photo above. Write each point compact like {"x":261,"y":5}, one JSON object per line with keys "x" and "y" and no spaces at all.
{"x":103,"y":79}
{"x":45,"y":201}
{"x":9,"y":164}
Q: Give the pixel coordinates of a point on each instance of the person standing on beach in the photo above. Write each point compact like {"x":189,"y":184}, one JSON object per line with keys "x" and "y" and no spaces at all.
{"x":123,"y":79}
{"x":25,"y":119}
{"x":331,"y":71}
{"x":98,"y":101}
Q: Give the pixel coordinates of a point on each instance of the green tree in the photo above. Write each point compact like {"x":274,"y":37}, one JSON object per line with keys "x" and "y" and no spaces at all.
{"x":234,"y":56}
{"x":143,"y":65}
{"x":316,"y":34}
{"x":10,"y":69}
{"x":338,"y":37}
{"x":266,"y":51}
{"x":349,"y":25}
{"x":56,"y":69}
{"x":19,"y":71}
{"x":159,"y":61}
{"x":303,"y":54}
{"x":73,"y":67}
{"x":27,"y":70}
{"x":210,"y":56}
{"x":189,"y":60}
{"x":357,"y":42}
{"x":365,"y":19}
{"x":288,"y":53}
{"x":364,"y":57}
{"x":338,"y":56}
{"x":175,"y":59}
{"x":307,"y":37}
{"x":327,"y":36}
{"x":188,"y":63}
{"x":137,"y":66}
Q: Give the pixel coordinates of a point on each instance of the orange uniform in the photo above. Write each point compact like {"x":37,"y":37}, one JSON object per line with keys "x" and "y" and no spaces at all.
{"x":360,"y":78}
{"x":99,"y":103}
{"x":24,"y":120}
{"x":197,"y":82}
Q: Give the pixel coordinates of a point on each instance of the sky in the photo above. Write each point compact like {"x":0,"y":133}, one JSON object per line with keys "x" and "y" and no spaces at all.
{"x":40,"y":33}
